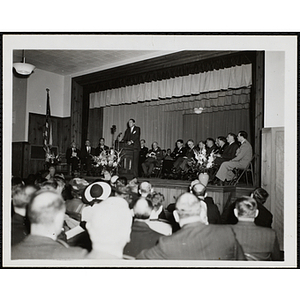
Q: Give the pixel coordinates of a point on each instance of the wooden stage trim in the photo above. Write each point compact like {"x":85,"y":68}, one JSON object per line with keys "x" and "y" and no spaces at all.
{"x":172,"y":188}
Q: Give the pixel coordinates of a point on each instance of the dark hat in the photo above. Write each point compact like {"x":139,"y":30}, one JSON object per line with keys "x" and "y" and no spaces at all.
{"x":96,"y":191}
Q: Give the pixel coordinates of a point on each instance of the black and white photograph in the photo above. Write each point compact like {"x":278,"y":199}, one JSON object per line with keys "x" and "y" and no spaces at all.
{"x":150,"y":150}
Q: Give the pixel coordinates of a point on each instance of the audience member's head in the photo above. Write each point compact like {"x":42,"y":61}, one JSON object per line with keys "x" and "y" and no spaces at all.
{"x":157,"y":200}
{"x":123,"y":191}
{"x":145,"y":188}
{"x":142,"y":209}
{"x":49,"y":185}
{"x":21,"y":197}
{"x":109,"y":227}
{"x":188,"y":209}
{"x":46,"y":212}
{"x":198,"y":189}
{"x":96,"y":192}
{"x":260,"y":195}
{"x":15,"y":181}
{"x":246,"y":208}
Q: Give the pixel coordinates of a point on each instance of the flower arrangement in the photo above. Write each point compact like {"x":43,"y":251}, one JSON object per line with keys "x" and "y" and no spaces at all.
{"x":107,"y":160}
{"x":203,"y":163}
{"x":50,"y":158}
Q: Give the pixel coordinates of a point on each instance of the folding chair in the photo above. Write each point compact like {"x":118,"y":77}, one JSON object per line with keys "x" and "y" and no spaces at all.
{"x":239,"y":173}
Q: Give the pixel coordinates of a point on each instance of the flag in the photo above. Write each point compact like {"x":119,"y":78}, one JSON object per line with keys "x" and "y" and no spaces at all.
{"x":47,"y":134}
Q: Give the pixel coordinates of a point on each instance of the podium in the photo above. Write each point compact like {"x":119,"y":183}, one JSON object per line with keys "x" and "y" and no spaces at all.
{"x":125,"y":167}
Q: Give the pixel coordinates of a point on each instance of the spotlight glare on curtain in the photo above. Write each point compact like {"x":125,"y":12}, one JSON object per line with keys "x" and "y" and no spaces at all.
{"x":23,"y":68}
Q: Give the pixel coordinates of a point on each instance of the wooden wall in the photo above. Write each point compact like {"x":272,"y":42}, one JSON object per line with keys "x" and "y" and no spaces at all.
{"x":22,"y":163}
{"x":273,"y":176}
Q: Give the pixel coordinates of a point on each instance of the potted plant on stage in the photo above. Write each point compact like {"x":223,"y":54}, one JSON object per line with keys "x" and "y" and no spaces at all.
{"x":107,"y":161}
{"x":204,"y":165}
{"x":51,"y":159}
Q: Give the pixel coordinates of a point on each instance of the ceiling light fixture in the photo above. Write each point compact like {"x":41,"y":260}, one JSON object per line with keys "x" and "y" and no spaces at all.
{"x":23,"y":68}
{"x":198,"y":111}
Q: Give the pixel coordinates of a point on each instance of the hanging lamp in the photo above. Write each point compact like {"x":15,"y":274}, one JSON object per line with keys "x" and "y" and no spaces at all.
{"x":23,"y":68}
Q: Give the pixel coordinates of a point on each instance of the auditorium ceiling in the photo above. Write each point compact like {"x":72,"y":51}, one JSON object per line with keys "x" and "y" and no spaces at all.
{"x":80,"y":62}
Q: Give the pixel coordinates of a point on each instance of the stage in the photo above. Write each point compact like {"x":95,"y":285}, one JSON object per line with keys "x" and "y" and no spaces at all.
{"x":172,"y":188}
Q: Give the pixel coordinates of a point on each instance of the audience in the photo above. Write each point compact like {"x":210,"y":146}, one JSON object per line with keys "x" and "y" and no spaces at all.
{"x":115,"y":219}
{"x":46,"y":212}
{"x":259,"y":243}
{"x":109,"y":228}
{"x":142,"y":236}
{"x":195,"y":239}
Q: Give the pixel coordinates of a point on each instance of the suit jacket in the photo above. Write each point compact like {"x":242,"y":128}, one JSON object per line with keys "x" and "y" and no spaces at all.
{"x":142,"y":154}
{"x":264,"y":217}
{"x":257,"y":241}
{"x":198,"y":242}
{"x":213,"y":213}
{"x":69,"y":154}
{"x":19,"y":228}
{"x":158,"y":153}
{"x":141,"y":237}
{"x":99,"y":150}
{"x":40,"y":247}
{"x":178,"y":152}
{"x":133,"y":136}
{"x":84,"y":153}
{"x":243,"y":154}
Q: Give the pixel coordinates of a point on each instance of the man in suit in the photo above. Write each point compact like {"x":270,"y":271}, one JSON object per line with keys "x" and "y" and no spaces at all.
{"x":86,"y":157}
{"x":153,"y":157}
{"x":178,"y":154}
{"x":73,"y":156}
{"x":132,"y":138}
{"x":240,"y":161}
{"x":46,"y":212}
{"x":195,"y":240}
{"x":264,"y":217}
{"x":142,"y":236}
{"x":142,"y":155}
{"x":259,"y":243}
{"x":101,"y":147}
{"x":229,"y":150}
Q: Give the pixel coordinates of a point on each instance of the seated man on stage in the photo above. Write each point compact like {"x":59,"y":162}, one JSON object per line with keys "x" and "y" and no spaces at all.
{"x":178,"y":154}
{"x":154,"y":156}
{"x":73,"y":158}
{"x":240,"y":161}
{"x":101,"y":147}
{"x":132,"y":138}
{"x":86,"y":157}
{"x":229,"y":151}
{"x":142,"y":155}
{"x":189,"y":156}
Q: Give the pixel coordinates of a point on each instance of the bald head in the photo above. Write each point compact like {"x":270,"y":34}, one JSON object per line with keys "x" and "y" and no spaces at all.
{"x":199,"y":190}
{"x":142,"y":209}
{"x":110,"y":222}
{"x":44,"y":207}
{"x":145,"y":188}
{"x":188,"y":205}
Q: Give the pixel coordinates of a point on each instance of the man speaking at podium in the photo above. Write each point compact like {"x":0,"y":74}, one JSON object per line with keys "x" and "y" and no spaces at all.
{"x":132,"y":138}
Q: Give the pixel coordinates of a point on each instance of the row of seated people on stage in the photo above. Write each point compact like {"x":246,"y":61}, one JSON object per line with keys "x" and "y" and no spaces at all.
{"x":117,"y":219}
{"x":82,"y":159}
{"x":185,"y":161}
